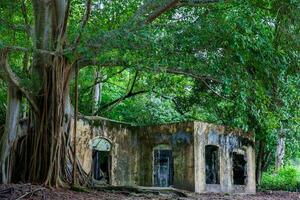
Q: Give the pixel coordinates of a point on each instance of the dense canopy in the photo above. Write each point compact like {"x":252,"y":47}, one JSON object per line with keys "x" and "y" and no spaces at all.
{"x":235,"y":63}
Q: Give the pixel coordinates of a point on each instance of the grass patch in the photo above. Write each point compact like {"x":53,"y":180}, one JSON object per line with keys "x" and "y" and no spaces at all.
{"x":287,"y":179}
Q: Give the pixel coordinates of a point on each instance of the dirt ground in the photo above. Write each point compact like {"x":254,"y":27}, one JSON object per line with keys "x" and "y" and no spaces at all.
{"x":37,"y":192}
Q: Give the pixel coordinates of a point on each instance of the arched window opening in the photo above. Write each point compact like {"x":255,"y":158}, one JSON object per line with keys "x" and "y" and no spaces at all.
{"x":212,"y":164}
{"x":101,"y":165}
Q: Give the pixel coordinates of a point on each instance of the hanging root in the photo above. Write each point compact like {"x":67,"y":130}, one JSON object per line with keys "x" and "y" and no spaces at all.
{"x":45,"y":153}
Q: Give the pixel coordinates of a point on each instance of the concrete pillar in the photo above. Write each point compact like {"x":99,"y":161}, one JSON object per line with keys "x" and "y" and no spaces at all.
{"x":225,"y":167}
{"x":251,"y":183}
{"x":199,"y":156}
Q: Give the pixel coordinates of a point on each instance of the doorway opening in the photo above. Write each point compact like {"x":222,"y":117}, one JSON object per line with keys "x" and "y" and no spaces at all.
{"x":101,"y":160}
{"x":163,"y":167}
{"x":101,"y":166}
{"x":239,"y":169}
{"x":212,"y":164}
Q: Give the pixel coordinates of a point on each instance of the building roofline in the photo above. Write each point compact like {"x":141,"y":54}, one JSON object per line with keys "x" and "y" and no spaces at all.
{"x":98,"y":118}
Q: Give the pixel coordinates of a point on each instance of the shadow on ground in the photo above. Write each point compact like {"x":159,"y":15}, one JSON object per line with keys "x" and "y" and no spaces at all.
{"x":37,"y":192}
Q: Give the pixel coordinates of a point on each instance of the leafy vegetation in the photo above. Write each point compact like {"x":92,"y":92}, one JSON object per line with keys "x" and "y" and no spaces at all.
{"x":287,"y":178}
{"x":235,"y":63}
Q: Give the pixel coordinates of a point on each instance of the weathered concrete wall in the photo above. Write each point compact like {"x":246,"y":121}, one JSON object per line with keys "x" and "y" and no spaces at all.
{"x":133,"y":153}
{"x":251,"y":181}
{"x":122,"y":152}
{"x":229,"y":141}
{"x":179,"y":137}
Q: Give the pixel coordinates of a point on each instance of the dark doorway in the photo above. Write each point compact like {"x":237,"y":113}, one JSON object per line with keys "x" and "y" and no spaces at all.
{"x":101,"y":166}
{"x":212,"y":164}
{"x":239,"y":169}
{"x":163,"y":168}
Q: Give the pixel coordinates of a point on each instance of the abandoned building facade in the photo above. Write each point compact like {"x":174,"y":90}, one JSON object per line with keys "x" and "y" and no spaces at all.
{"x":194,"y":156}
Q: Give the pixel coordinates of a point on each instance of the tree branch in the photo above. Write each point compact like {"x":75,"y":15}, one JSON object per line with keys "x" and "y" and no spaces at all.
{"x":103,"y":81}
{"x":119,"y":100}
{"x":177,"y":107}
{"x":165,"y":6}
{"x":133,"y":82}
{"x":84,"y":21}
{"x":129,"y":94}
{"x":145,"y":15}
{"x":25,"y":16}
{"x":83,"y":62}
{"x":188,"y":73}
{"x":172,"y":70}
{"x":11,"y":26}
{"x":8,"y":75}
{"x":169,"y":5}
{"x":215,"y":92}
{"x":202,"y":78}
{"x":29,"y":50}
{"x":199,"y":2}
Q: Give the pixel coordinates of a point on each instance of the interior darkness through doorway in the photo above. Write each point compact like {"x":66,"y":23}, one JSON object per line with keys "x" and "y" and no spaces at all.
{"x":239,"y":169}
{"x":212,"y":164}
{"x":101,"y":166}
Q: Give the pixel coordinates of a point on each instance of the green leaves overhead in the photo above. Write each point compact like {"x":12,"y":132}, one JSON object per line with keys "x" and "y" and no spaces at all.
{"x":234,"y":63}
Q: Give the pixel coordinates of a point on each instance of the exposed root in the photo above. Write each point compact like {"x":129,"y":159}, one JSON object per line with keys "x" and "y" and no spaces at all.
{"x":29,"y":193}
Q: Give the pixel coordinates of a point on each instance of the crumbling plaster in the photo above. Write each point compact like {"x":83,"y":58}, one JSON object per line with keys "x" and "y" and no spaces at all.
{"x":132,"y":152}
{"x":228,"y":141}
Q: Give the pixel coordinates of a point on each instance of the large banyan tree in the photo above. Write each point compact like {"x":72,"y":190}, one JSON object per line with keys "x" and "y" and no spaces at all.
{"x":55,"y":39}
{"x":241,"y":50}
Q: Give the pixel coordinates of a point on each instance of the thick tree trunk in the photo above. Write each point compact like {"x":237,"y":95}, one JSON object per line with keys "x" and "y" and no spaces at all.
{"x":14,"y":98}
{"x":280,"y":150}
{"x":46,"y":143}
{"x":45,"y":152}
{"x":46,"y":149}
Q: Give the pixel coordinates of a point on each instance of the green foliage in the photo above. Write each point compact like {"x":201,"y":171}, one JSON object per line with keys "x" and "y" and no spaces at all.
{"x":287,"y":178}
{"x":251,"y":48}
{"x":241,"y":63}
{"x":148,"y":109}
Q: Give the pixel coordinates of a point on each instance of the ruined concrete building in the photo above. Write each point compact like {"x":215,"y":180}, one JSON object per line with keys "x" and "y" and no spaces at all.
{"x":194,"y":156}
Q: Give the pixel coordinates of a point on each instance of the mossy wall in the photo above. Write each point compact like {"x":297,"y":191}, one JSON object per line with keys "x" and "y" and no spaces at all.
{"x":122,"y":150}
{"x":228,"y":141}
{"x":179,"y":137}
{"x":133,"y":147}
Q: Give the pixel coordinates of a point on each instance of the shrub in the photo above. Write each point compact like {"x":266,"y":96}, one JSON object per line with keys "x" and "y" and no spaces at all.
{"x":286,"y":178}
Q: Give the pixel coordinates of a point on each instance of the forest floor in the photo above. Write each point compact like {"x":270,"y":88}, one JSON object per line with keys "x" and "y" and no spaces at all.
{"x":37,"y":192}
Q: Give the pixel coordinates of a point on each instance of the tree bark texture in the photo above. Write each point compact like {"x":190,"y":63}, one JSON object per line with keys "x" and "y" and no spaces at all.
{"x":14,"y":98}
{"x":46,"y":150}
{"x":280,"y":149}
{"x":97,"y":91}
